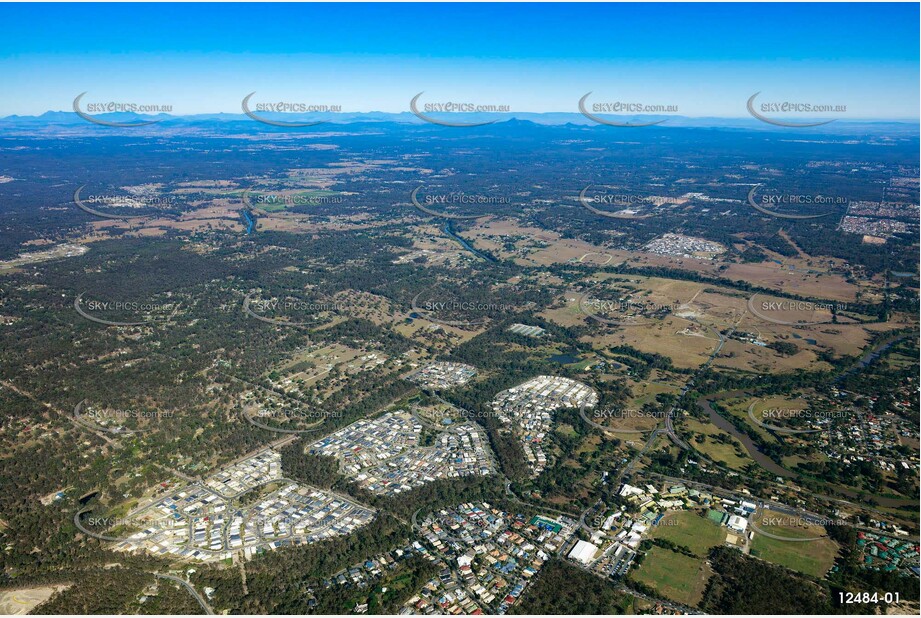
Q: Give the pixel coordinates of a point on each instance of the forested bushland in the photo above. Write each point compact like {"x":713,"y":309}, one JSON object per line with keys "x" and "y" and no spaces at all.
{"x":744,"y":585}
{"x":561,"y":588}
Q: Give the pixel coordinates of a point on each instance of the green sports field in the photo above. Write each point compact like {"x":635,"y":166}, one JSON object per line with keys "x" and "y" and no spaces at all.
{"x":811,"y":557}
{"x":691,"y":530}
{"x":674,"y":576}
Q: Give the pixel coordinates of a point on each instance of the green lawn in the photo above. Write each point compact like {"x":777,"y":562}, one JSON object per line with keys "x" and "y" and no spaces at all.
{"x":732,"y":453}
{"x":583,"y":365}
{"x":283,"y":202}
{"x":675,"y":576}
{"x":696,"y":533}
{"x":811,"y":558}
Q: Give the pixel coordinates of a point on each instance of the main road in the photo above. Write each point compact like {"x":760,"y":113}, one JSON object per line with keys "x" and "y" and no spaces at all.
{"x":201,"y":600}
{"x":669,"y":423}
{"x":669,"y":426}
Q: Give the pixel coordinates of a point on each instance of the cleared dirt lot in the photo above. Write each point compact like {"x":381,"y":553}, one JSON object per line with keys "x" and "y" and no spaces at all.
{"x":806,"y":275}
{"x":688,"y":334}
{"x":22,"y":601}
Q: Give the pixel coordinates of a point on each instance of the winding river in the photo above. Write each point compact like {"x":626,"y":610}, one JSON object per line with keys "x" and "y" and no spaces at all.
{"x":250,"y":221}
{"x":772,"y":466}
{"x":449,"y":230}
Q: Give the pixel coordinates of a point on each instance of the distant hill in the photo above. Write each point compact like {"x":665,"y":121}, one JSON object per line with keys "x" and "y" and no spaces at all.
{"x":224,"y":121}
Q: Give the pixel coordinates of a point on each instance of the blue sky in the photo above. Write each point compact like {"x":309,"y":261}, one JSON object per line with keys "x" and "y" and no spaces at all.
{"x":706,"y":59}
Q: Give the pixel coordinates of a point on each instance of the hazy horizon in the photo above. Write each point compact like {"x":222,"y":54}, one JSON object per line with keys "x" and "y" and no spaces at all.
{"x":705,"y":60}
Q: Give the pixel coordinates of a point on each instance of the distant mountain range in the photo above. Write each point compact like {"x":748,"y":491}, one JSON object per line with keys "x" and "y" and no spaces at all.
{"x":227,"y":121}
